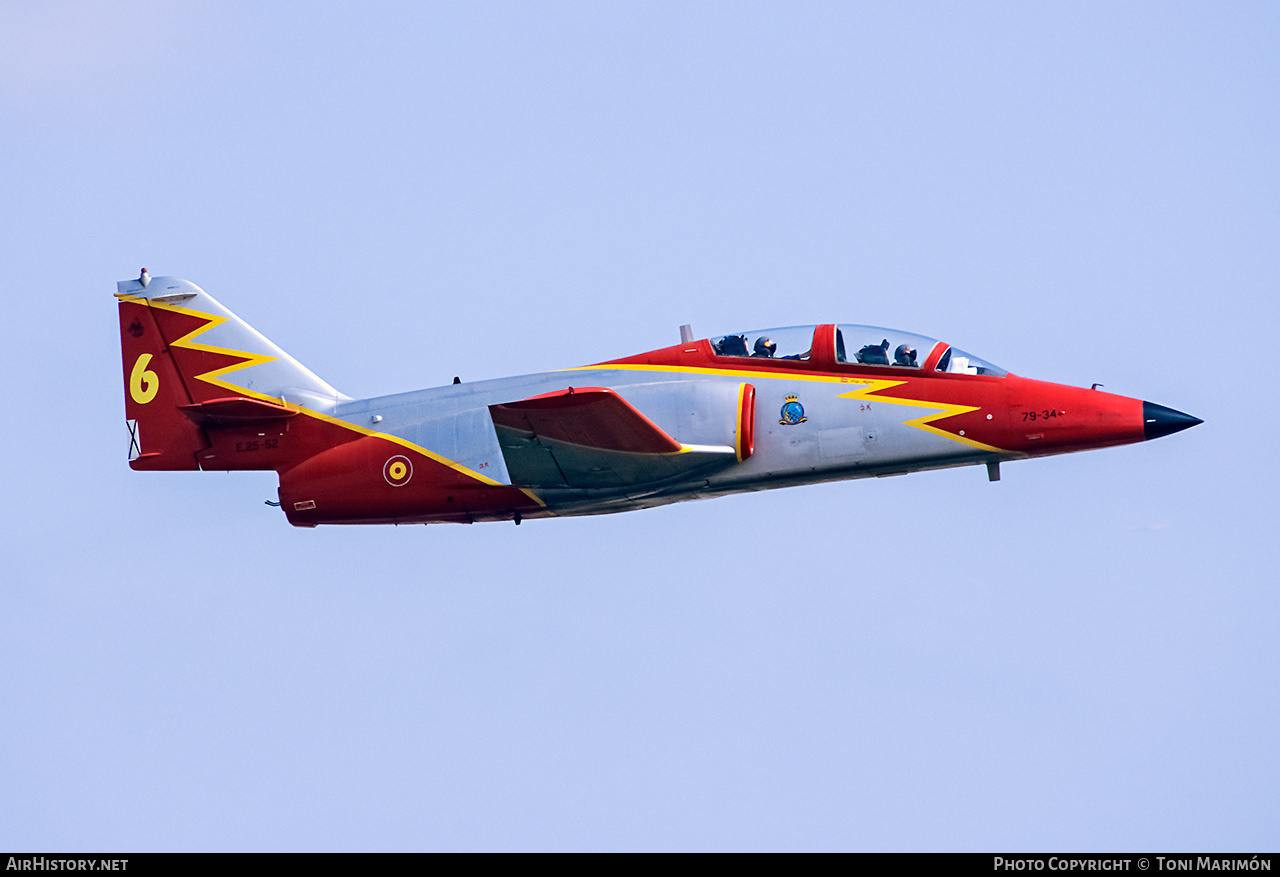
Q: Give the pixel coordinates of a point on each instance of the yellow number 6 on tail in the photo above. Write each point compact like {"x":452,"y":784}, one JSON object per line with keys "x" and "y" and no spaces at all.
{"x":143,"y":383}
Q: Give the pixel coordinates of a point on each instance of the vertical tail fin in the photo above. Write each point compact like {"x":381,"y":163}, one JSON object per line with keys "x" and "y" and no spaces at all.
{"x":185,"y":355}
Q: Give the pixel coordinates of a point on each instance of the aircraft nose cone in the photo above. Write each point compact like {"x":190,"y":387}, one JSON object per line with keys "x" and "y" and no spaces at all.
{"x":1158,"y":420}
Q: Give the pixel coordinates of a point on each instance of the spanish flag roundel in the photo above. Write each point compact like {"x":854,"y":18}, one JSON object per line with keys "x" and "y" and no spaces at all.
{"x":398,"y":470}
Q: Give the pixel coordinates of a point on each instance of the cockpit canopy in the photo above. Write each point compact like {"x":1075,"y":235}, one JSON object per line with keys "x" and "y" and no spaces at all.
{"x":793,"y":342}
{"x":854,"y":345}
{"x":871,"y":345}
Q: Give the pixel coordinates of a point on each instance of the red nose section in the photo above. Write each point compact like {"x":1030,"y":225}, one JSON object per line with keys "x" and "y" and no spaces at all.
{"x":1047,"y":418}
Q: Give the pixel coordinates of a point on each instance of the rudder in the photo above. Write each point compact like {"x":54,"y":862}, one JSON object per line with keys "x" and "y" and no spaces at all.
{"x":160,"y":436}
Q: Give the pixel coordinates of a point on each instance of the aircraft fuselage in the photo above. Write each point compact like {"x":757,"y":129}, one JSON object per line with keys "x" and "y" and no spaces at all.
{"x":699,"y":419}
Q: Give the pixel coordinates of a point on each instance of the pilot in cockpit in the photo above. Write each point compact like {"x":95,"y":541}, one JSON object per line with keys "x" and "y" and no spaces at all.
{"x":765,"y":347}
{"x":875,"y":354}
{"x":905,"y":355}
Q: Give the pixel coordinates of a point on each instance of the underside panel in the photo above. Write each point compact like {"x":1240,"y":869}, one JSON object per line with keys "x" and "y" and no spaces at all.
{"x":536,"y":461}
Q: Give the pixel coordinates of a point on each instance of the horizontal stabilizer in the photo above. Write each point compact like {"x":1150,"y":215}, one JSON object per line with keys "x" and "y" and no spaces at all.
{"x":590,"y":437}
{"x":236,"y":411}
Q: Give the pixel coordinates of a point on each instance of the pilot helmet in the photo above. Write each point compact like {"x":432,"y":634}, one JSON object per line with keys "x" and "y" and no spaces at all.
{"x":904,"y":355}
{"x":765,"y":346}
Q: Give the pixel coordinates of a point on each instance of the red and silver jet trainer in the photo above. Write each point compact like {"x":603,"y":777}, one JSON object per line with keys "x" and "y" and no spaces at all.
{"x":746,"y":411}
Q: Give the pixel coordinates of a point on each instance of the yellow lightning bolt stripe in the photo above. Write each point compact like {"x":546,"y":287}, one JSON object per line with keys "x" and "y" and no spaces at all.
{"x":187,"y":341}
{"x":949,"y":409}
{"x":252,"y":359}
{"x":732,"y":372}
{"x":868,"y":386}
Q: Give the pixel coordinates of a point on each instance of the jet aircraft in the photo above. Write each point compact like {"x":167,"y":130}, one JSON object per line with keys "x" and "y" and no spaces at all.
{"x":702,"y":418}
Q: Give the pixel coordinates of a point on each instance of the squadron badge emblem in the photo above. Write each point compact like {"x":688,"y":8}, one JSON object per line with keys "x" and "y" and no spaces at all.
{"x":792,"y":412}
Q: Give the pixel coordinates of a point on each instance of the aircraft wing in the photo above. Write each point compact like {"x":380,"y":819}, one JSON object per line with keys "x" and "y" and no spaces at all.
{"x":591,"y":437}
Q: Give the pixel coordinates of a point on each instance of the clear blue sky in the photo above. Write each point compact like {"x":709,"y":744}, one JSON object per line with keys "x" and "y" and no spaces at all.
{"x":1082,"y":656}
